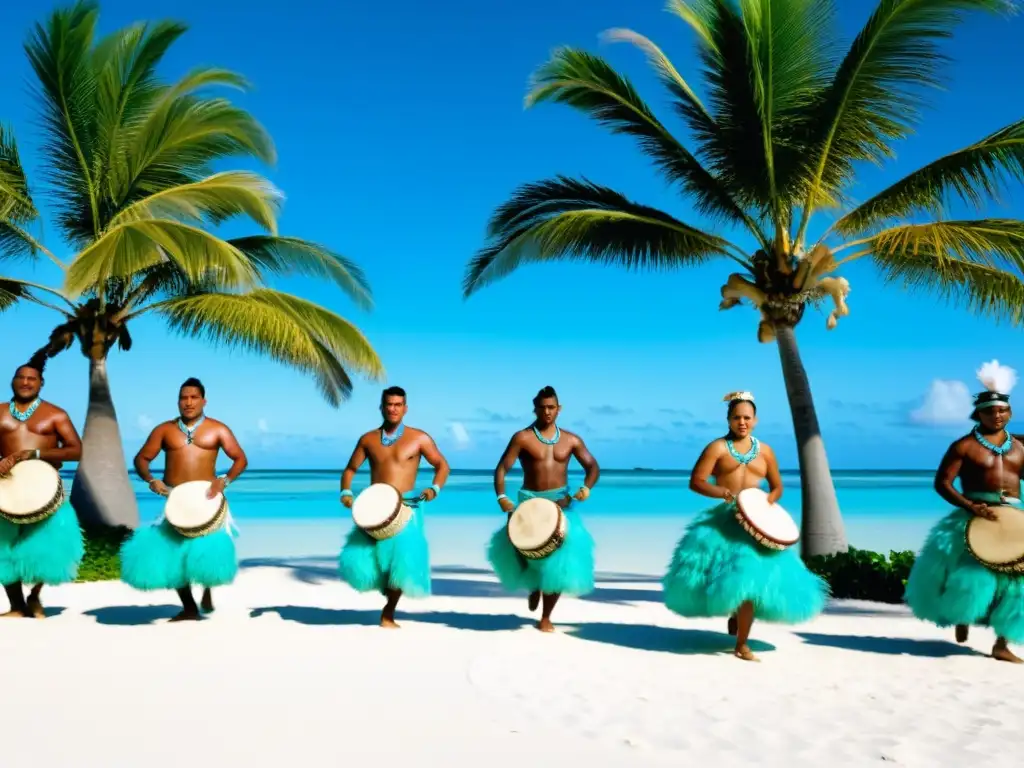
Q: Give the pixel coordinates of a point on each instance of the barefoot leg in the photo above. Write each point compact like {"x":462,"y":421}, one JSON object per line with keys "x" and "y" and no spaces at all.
{"x":35,"y":604}
{"x":545,"y":625}
{"x":961,"y":633}
{"x":190,"y":611}
{"x":731,"y":626}
{"x":533,"y":601}
{"x":1001,"y":652}
{"x":744,"y":621}
{"x":387,"y":616}
{"x":16,"y":596}
{"x":207,"y":603}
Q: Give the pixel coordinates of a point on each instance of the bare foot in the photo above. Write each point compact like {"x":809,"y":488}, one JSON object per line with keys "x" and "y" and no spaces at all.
{"x":731,"y":627}
{"x":533,"y":601}
{"x":545,"y":625}
{"x":207,"y":603}
{"x":1002,"y":653}
{"x":35,"y":607}
{"x":743,"y":652}
{"x":961,"y":633}
{"x":12,"y":614}
{"x":186,"y":616}
{"x":388,"y":623}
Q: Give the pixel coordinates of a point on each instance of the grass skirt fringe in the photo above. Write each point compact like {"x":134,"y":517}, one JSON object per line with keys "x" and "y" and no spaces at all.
{"x":158,"y":557}
{"x":401,"y":562}
{"x":947,"y":586}
{"x":717,"y":566}
{"x":569,"y":570}
{"x":42,"y":553}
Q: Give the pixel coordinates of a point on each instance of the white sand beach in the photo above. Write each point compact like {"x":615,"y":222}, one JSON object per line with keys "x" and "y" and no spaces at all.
{"x":292,"y":668}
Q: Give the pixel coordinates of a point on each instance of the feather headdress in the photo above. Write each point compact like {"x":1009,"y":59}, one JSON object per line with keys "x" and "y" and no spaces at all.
{"x":998,"y":381}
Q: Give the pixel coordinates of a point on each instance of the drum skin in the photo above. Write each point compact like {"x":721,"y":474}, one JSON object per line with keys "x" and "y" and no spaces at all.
{"x":998,"y":544}
{"x":31,"y":493}
{"x":190,"y":513}
{"x":537,"y":528}
{"x":769,"y":524}
{"x":380,"y":512}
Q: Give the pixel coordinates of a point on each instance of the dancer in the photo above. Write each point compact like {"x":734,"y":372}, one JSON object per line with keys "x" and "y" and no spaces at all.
{"x":947,"y":585}
{"x":158,"y":557}
{"x":717,"y":568}
{"x":543,"y":451}
{"x":50,"y":551}
{"x":399,"y":565}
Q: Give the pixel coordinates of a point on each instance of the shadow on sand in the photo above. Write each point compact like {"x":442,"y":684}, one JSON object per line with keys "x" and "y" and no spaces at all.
{"x":890,"y":646}
{"x":133,"y":615}
{"x":472,"y":622}
{"x":643,"y":637}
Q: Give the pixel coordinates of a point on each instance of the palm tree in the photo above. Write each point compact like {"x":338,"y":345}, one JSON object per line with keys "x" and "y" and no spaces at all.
{"x":130,"y":170}
{"x":784,"y":120}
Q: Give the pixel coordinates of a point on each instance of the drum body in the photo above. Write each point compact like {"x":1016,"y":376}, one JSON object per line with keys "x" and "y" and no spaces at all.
{"x":769,"y":524}
{"x":31,"y":492}
{"x":190,"y":513}
{"x":380,"y":512}
{"x":537,"y":528}
{"x":998,"y":544}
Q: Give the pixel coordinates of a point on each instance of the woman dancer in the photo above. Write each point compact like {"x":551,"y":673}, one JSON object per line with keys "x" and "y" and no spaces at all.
{"x":718,"y":569}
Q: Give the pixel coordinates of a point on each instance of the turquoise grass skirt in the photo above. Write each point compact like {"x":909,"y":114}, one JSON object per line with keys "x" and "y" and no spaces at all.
{"x":947,"y":586}
{"x":717,"y":566}
{"x":42,"y":553}
{"x":401,"y":562}
{"x":569,"y":570}
{"x":158,"y":557}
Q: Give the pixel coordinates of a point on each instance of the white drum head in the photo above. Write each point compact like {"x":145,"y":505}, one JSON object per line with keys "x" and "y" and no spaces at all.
{"x":187,"y":506}
{"x":1001,"y":541}
{"x":31,"y":486}
{"x":533,"y":523}
{"x":375,"y":505}
{"x":771,"y":520}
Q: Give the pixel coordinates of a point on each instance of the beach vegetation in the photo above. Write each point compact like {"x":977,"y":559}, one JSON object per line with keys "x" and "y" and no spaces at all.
{"x":779,"y":126}
{"x":859,"y":574}
{"x":133,"y":173}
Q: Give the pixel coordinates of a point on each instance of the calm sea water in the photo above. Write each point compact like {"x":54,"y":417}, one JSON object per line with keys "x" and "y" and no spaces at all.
{"x":635,"y":516}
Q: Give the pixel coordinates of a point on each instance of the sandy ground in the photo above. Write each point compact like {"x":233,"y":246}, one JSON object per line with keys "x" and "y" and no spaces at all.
{"x":292,"y":668}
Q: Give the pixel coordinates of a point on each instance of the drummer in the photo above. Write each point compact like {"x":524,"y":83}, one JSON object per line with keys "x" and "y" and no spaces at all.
{"x":543,"y":450}
{"x":48,"y":552}
{"x":158,"y":557}
{"x":401,"y":564}
{"x":717,"y":568}
{"x":947,"y":585}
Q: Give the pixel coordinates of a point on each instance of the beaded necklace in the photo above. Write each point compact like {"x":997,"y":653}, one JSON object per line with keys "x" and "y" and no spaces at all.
{"x":749,"y":456}
{"x":189,"y":431}
{"x":545,"y":440}
{"x":999,"y":450}
{"x":386,"y":439}
{"x":27,"y":413}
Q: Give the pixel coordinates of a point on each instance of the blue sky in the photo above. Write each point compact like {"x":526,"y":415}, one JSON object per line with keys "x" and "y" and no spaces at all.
{"x":400,"y":127}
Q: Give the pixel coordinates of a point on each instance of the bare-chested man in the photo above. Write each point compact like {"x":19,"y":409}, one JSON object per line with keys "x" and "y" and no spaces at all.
{"x":158,"y":557}
{"x":401,"y":564}
{"x":544,"y":450}
{"x":717,"y":568}
{"x":947,"y":585}
{"x":50,"y":551}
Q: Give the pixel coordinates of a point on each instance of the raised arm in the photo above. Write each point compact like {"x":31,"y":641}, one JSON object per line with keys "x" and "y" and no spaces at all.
{"x":774,"y":476}
{"x":505,"y":463}
{"x":434,"y":457}
{"x":149,"y":451}
{"x":702,"y":471}
{"x":589,"y":464}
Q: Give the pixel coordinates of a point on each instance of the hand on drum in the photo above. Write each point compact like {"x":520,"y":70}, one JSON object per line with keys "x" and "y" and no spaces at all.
{"x":983,"y":510}
{"x":564,"y":503}
{"x":728,"y":496}
{"x":346,"y":501}
{"x":428,"y":495}
{"x":7,"y":464}
{"x":217,"y":486}
{"x":159,"y":488}
{"x":507,"y":506}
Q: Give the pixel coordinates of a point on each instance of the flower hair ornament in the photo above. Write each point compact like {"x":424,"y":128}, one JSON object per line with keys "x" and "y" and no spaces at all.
{"x":741,"y":395}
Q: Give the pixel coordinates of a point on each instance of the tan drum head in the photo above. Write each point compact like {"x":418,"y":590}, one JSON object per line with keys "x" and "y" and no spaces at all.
{"x":189,"y":511}
{"x":769,"y":523}
{"x":31,"y":492}
{"x":998,"y":544}
{"x":380,"y":512}
{"x":537,"y":527}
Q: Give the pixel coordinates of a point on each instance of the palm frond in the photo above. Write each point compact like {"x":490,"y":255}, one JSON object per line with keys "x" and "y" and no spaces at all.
{"x":60,"y":53}
{"x":994,"y":243}
{"x":16,"y":203}
{"x":589,"y":84}
{"x":572,"y":219}
{"x":10,"y":292}
{"x":134,"y":246}
{"x":285,"y":328}
{"x":294,"y":256}
{"x":974,"y":174}
{"x":212,"y":200}
{"x":877,"y":92}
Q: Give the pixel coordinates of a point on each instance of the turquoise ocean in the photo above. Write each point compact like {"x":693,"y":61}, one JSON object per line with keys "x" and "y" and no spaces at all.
{"x":636,"y":516}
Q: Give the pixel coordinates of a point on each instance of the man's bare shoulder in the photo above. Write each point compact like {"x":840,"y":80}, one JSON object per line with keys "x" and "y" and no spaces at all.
{"x":764,"y":448}
{"x":418,"y":434}
{"x":571,"y":436}
{"x":961,"y":444}
{"x":52,"y":409}
{"x":716,"y":447}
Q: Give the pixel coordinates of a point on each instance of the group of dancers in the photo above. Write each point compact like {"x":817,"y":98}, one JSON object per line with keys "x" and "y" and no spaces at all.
{"x":725,"y":564}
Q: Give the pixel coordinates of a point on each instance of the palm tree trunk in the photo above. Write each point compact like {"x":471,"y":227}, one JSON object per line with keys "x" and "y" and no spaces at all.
{"x":102,"y":493}
{"x":822,"y":531}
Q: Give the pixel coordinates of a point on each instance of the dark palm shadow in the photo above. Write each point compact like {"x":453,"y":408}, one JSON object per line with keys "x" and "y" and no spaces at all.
{"x":472,"y":622}
{"x":133,"y":615}
{"x":891,"y":646}
{"x":53,"y":610}
{"x":643,"y":637}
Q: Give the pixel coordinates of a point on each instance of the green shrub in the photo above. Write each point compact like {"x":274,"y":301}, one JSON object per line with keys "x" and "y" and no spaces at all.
{"x":862,"y":575}
{"x":101,"y":562}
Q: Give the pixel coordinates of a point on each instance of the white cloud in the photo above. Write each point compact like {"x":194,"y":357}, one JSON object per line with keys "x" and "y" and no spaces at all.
{"x":459,"y":433}
{"x":945,"y":402}
{"x":262,"y":426}
{"x":145,"y":422}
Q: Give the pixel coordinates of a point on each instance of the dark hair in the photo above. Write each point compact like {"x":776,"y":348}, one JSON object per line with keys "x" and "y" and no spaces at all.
{"x":37,"y":363}
{"x":544,"y":394}
{"x":192,"y":381}
{"x":734,"y":403}
{"x":391,"y":392}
